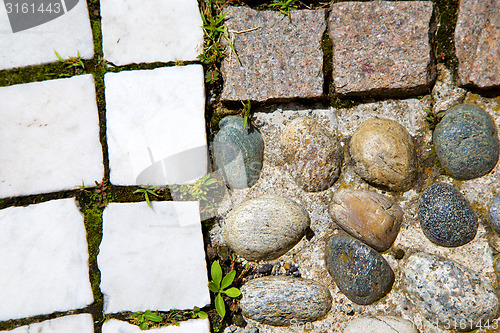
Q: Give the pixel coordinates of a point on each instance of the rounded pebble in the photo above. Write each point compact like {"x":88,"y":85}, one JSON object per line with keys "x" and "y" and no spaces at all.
{"x":283,"y":301}
{"x":312,"y":153}
{"x":360,"y":272}
{"x":466,"y":142}
{"x":380,"y":324}
{"x":371,"y":217}
{"x":446,"y":218}
{"x":495,"y":213}
{"x":265,"y":228}
{"x":449,"y":294}
{"x":384,"y":154}
{"x":238,"y":152}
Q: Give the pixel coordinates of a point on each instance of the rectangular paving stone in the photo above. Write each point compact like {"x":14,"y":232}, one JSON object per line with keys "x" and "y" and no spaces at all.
{"x":280,"y":59}
{"x":190,"y":326}
{"x":477,"y":43}
{"x":49,"y":136}
{"x":68,"y":32}
{"x":152,"y":258}
{"x":382,"y":48}
{"x":44,"y":259}
{"x":137,"y":31}
{"x":156,"y":125}
{"x":82,"y":323}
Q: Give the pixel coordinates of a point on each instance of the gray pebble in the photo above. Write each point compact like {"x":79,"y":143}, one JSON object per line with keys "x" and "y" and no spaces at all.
{"x":265,"y":228}
{"x":446,"y":218}
{"x":466,"y":142}
{"x":360,"y":272}
{"x":238,"y":152}
{"x":495,"y":213}
{"x":282,"y":300}
{"x":449,"y":294}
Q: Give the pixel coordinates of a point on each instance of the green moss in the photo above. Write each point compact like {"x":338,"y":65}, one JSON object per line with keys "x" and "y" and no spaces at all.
{"x":445,"y":51}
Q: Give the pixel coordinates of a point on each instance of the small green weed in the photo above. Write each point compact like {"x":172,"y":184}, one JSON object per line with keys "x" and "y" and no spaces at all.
{"x":145,"y":319}
{"x":433,"y":118}
{"x":220,"y":285}
{"x":72,"y":62}
{"x":154,"y":191}
{"x":246,"y":113}
{"x":197,"y":313}
{"x":284,"y":6}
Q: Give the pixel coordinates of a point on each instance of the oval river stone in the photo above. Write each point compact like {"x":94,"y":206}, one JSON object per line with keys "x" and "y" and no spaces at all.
{"x":284,"y":301}
{"x":238,"y":152}
{"x":265,"y":228}
{"x":380,"y":324}
{"x":466,"y":141}
{"x":383,"y":153}
{"x":368,"y":216}
{"x":312,"y":153}
{"x":449,"y":294}
{"x":360,"y":272}
{"x":446,"y":218}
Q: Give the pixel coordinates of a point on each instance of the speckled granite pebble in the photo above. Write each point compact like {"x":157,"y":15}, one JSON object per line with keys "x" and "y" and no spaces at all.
{"x":360,"y":272}
{"x":446,"y":218}
{"x":279,"y":58}
{"x":371,"y":217}
{"x":312,"y":153}
{"x":283,"y":301}
{"x":466,"y":142}
{"x":380,"y":324}
{"x":265,"y":228}
{"x":384,"y":154}
{"x":238,"y":152}
{"x":382,"y":48}
{"x":449,"y":294}
{"x":495,"y":213}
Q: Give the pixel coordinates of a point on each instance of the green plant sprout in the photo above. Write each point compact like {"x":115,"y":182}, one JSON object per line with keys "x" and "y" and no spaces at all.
{"x":433,"y":118}
{"x":145,"y":319}
{"x":284,"y":6}
{"x":219,"y":286}
{"x":72,"y":62}
{"x":246,"y":113}
{"x":197,"y":313}
{"x":148,"y":191}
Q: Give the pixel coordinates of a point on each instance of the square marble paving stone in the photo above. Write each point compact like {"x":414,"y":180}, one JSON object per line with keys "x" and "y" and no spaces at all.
{"x":156,"y":126}
{"x":44,"y":256}
{"x":68,"y":33}
{"x":49,"y":136}
{"x":190,"y":326}
{"x":137,"y":31}
{"x":82,"y":323}
{"x":152,"y":259}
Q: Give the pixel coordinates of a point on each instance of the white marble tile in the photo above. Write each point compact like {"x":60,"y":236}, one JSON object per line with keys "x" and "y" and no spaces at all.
{"x":44,"y":258}
{"x":82,"y":323}
{"x":137,"y":31}
{"x":190,"y":326}
{"x":156,"y":125}
{"x":68,"y":34}
{"x":49,"y":136}
{"x":152,"y":259}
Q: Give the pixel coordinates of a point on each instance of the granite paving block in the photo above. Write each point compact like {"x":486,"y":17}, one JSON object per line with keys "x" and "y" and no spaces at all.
{"x":477,"y":43}
{"x":382,"y":48}
{"x":49,"y":136}
{"x":190,"y":326}
{"x":82,"y":323}
{"x":68,"y":32}
{"x":44,"y":259}
{"x":279,"y":59}
{"x":152,"y":258}
{"x":156,"y":125}
{"x":137,"y":31}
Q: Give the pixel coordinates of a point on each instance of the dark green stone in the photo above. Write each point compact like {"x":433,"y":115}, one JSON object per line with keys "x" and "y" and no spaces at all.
{"x":466,"y":142}
{"x":360,"y":272}
{"x":446,"y":218}
{"x":238,"y":152}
